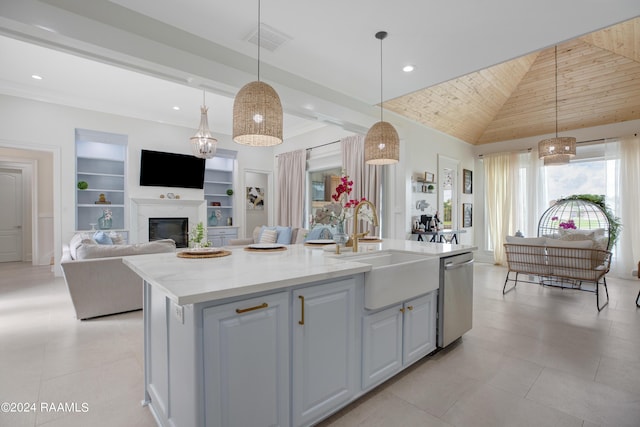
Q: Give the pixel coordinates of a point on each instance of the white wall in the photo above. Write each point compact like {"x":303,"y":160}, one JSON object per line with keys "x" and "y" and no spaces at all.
{"x":48,"y":127}
{"x":255,"y":217}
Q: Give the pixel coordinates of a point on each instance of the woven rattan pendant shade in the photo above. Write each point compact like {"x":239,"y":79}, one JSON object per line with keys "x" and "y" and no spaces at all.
{"x":382,"y":144}
{"x":257,"y":116}
{"x":558,"y":150}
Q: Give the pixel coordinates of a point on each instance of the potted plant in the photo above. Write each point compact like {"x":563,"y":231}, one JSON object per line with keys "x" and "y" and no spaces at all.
{"x":430,"y":188}
{"x":197,"y":238}
{"x":229,"y":192}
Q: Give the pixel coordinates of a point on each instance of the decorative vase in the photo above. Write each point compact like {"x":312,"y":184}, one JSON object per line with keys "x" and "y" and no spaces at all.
{"x":104,"y":223}
{"x":213,"y":220}
{"x":340,"y":237}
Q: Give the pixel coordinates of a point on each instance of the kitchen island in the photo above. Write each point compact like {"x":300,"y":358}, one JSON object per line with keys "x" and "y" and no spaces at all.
{"x":281,"y":338}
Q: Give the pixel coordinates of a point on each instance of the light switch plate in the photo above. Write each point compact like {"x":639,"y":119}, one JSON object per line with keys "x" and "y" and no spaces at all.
{"x":178,"y":312}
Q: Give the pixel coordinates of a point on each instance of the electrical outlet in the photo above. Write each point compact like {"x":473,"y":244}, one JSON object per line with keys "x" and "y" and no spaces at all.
{"x":178,"y":311}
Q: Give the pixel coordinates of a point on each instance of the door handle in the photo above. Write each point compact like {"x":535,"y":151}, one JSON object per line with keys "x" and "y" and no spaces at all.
{"x":301,"y":321}
{"x":17,"y":227}
{"x":257,"y":307}
{"x":453,"y":266}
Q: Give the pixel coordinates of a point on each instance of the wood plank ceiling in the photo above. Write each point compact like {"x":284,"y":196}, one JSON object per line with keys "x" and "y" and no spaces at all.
{"x":598,"y":83}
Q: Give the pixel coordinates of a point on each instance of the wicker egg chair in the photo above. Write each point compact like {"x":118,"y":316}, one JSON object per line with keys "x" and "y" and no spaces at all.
{"x":582,"y":214}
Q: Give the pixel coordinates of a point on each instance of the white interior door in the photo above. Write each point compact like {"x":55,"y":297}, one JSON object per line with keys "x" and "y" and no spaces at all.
{"x":10,"y":215}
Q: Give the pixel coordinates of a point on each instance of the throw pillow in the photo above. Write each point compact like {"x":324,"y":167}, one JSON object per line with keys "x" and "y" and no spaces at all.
{"x":318,"y":233}
{"x":284,"y":235}
{"x":268,"y":236}
{"x":102,"y":238}
{"x":117,"y":238}
{"x":573,"y":237}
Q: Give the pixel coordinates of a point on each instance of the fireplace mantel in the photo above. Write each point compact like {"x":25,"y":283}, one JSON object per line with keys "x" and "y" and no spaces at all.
{"x":167,"y":202}
{"x":142,"y":209}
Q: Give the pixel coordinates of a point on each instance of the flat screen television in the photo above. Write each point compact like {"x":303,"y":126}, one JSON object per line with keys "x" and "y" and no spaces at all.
{"x":160,"y":169}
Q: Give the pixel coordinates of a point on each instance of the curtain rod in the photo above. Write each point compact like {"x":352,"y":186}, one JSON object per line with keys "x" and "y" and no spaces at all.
{"x":586,"y":142}
{"x":317,"y":146}
{"x":524,"y":150}
{"x":322,"y":145}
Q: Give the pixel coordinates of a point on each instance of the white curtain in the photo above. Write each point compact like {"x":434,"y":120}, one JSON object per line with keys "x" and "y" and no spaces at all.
{"x":626,"y":201}
{"x":514,"y":197}
{"x":366,"y":178}
{"x":291,"y":188}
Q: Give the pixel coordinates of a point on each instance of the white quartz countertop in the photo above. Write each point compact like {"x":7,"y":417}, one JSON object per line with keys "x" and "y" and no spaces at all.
{"x":190,"y":281}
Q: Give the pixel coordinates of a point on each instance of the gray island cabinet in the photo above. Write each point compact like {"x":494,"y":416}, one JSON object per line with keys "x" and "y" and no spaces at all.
{"x":271,"y":339}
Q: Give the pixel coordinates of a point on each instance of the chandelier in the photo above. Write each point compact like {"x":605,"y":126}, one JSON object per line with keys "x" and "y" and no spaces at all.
{"x":203,"y":144}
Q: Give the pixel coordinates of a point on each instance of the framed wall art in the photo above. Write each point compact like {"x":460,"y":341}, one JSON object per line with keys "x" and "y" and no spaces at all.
{"x":429,"y":177}
{"x":467,"y":215}
{"x":467,"y":181}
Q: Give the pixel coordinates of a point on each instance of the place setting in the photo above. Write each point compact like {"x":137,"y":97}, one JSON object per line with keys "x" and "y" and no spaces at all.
{"x":203,"y":253}
{"x":266,"y":247}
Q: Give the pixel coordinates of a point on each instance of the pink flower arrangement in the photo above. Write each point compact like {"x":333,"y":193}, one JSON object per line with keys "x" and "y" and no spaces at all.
{"x":568,"y":225}
{"x":344,"y":189}
{"x":337,"y":212}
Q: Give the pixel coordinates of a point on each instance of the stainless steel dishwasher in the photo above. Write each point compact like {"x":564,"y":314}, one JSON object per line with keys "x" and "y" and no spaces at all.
{"x":455,"y":302}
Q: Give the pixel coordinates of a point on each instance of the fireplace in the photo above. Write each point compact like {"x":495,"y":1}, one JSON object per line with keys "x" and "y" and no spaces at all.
{"x":170,"y":228}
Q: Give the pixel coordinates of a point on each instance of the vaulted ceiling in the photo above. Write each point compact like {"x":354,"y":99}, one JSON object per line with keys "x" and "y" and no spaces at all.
{"x":598,"y":83}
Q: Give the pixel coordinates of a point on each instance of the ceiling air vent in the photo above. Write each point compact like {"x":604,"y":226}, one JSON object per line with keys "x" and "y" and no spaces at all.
{"x":270,"y":38}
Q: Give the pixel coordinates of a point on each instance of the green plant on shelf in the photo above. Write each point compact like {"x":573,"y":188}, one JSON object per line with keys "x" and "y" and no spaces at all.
{"x":229,"y":192}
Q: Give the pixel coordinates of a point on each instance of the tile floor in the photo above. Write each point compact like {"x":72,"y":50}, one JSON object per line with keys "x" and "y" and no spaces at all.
{"x":535,"y":357}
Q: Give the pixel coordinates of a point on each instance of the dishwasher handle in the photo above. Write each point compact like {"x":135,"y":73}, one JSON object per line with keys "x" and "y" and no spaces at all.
{"x":453,"y":266}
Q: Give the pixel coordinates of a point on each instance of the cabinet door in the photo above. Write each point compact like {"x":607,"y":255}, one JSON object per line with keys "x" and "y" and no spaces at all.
{"x":419,"y":327}
{"x":246,"y":362}
{"x":325,"y":358}
{"x":381,"y":345}
{"x":216,"y":240}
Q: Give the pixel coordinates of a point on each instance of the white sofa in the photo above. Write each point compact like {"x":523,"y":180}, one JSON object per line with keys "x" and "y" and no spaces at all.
{"x":98,"y":282}
{"x":297,"y":236}
{"x":556,"y":262}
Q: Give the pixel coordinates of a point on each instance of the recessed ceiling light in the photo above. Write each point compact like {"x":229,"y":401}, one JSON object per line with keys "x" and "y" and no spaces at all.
{"x":36,"y":77}
{"x":175,"y":107}
{"x":407,"y":68}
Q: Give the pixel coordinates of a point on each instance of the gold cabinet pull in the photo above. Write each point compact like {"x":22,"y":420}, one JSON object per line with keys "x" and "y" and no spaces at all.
{"x":402,"y":310}
{"x":257,"y":307}
{"x":410,"y":307}
{"x":301,"y":322}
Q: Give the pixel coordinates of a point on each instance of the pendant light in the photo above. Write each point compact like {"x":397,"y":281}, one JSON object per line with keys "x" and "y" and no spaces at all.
{"x":558,"y":150}
{"x":382,"y":144}
{"x":257,"y":111}
{"x":203,"y":144}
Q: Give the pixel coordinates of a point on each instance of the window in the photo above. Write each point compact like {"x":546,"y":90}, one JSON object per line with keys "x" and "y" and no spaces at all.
{"x":322,"y":184}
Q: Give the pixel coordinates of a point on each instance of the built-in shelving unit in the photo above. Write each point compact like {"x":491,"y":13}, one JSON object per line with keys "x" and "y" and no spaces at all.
{"x":219,"y":177}
{"x":101,"y":164}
